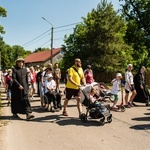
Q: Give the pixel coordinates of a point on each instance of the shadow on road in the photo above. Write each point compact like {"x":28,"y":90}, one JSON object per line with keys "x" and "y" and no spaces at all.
{"x":141,"y":127}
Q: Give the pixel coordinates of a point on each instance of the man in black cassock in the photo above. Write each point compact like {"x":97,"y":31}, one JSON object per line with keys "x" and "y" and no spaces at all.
{"x":141,"y":89}
{"x":20,"y":103}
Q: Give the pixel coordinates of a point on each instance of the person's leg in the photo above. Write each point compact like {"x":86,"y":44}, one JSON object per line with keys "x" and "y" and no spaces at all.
{"x":65,"y":106}
{"x":132,"y":96}
{"x":58,"y":99}
{"x":126,"y":97}
{"x":115,"y":101}
{"x":79,"y":105}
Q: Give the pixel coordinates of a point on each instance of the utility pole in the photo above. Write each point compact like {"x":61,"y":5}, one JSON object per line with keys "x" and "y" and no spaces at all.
{"x":52,"y":29}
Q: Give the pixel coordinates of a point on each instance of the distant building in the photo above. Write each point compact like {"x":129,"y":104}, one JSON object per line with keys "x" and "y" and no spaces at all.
{"x":43,"y":57}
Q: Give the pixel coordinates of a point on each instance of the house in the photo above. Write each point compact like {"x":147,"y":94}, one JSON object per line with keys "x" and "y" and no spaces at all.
{"x":44,"y":57}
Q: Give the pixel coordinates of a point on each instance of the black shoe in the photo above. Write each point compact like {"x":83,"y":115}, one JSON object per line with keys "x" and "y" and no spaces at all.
{"x":29,"y":116}
{"x":59,"y":106}
{"x":15,"y":116}
{"x":8,"y":103}
{"x":55,"y":107}
{"x":147,"y":104}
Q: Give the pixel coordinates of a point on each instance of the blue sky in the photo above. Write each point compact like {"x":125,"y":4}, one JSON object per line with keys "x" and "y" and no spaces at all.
{"x":24,"y":21}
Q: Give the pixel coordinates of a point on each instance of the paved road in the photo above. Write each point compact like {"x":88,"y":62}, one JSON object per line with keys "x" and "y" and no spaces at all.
{"x":128,"y":130}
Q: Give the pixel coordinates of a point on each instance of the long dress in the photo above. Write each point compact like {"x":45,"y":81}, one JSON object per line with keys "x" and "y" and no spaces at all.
{"x":19,"y":102}
{"x":142,"y":94}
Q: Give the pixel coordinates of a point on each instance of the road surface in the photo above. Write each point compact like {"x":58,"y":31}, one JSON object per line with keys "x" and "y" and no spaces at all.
{"x":128,"y":130}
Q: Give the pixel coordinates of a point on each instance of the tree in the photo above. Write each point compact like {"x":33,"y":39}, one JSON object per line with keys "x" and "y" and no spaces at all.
{"x":3,"y":13}
{"x":137,"y":16}
{"x":99,"y":40}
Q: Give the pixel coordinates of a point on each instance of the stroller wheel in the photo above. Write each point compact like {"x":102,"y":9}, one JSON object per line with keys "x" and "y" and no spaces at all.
{"x":123,"y":108}
{"x":83,"y":117}
{"x":44,"y":102}
{"x":102,"y":121}
{"x":109,"y":119}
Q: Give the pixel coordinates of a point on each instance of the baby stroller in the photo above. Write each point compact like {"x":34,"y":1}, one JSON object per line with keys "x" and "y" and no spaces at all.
{"x":48,"y":98}
{"x":98,"y":110}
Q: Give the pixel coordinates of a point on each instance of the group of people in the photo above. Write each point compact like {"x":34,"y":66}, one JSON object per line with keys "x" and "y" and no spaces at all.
{"x":48,"y":79}
{"x":21,"y":82}
{"x":134,"y":84}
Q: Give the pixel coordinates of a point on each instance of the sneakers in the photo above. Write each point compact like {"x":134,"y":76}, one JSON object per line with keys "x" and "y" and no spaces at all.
{"x":29,"y":116}
{"x":130,"y":104}
{"x":65,"y":113}
{"x":127,"y":106}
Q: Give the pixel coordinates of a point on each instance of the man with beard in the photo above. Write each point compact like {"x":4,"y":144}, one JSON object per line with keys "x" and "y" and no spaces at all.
{"x":75,"y":77}
{"x":19,"y":102}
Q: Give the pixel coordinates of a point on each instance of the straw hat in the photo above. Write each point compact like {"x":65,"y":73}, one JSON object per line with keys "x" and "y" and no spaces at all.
{"x":20,"y":59}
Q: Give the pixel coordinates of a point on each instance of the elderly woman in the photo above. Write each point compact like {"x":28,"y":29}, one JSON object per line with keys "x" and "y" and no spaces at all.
{"x":19,"y":102}
{"x":141,"y":89}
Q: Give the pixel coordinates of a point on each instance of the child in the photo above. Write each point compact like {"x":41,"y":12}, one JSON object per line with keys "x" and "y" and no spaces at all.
{"x":9,"y":83}
{"x":94,"y":98}
{"x":115,"y":88}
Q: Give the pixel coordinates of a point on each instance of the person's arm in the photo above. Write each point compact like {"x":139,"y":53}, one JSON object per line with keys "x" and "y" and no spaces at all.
{"x":15,"y":79}
{"x":113,"y":81}
{"x":72,"y":81}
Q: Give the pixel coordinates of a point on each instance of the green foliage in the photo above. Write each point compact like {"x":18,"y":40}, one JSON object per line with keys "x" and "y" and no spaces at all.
{"x":10,"y":54}
{"x":137,"y":16}
{"x":3,"y":13}
{"x":99,"y":41}
{"x":40,"y":49}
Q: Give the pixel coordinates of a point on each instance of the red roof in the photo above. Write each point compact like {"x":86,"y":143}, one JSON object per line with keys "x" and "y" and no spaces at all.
{"x":41,"y":56}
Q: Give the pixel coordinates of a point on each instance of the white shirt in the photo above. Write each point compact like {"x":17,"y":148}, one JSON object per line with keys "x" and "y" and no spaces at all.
{"x":49,"y":84}
{"x":115,"y":88}
{"x":44,"y":74}
{"x":128,"y":79}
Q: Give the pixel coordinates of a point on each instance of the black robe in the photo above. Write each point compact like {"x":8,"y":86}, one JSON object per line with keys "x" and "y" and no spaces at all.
{"x":142,"y":94}
{"x":19,"y":102}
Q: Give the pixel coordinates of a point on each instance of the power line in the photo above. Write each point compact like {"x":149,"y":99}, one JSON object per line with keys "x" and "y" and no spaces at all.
{"x":36,"y":40}
{"x":36,"y":37}
{"x":48,"y":31}
{"x":67,"y":25}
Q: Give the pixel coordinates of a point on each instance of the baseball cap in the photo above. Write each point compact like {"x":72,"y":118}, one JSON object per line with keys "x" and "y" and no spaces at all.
{"x":119,"y":75}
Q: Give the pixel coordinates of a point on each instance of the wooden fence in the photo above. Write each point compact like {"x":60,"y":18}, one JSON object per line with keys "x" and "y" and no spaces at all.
{"x":107,"y":77}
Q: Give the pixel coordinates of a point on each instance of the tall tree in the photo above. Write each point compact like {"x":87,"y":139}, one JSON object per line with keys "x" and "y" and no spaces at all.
{"x":99,"y":40}
{"x":137,"y":16}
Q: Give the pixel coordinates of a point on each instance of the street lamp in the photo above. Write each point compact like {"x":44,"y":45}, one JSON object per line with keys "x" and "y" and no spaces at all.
{"x":51,"y":39}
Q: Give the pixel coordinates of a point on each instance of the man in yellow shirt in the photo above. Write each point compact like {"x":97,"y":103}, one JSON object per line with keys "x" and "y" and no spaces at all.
{"x":75,"y":76}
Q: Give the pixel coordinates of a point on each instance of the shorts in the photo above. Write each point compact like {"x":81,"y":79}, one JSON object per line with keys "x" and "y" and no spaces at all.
{"x":115,"y":97}
{"x":72,"y":92}
{"x":33,"y":85}
{"x":131,"y":89}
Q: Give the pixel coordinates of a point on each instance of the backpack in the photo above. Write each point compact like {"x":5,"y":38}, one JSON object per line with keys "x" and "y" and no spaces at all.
{"x":66,"y":76}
